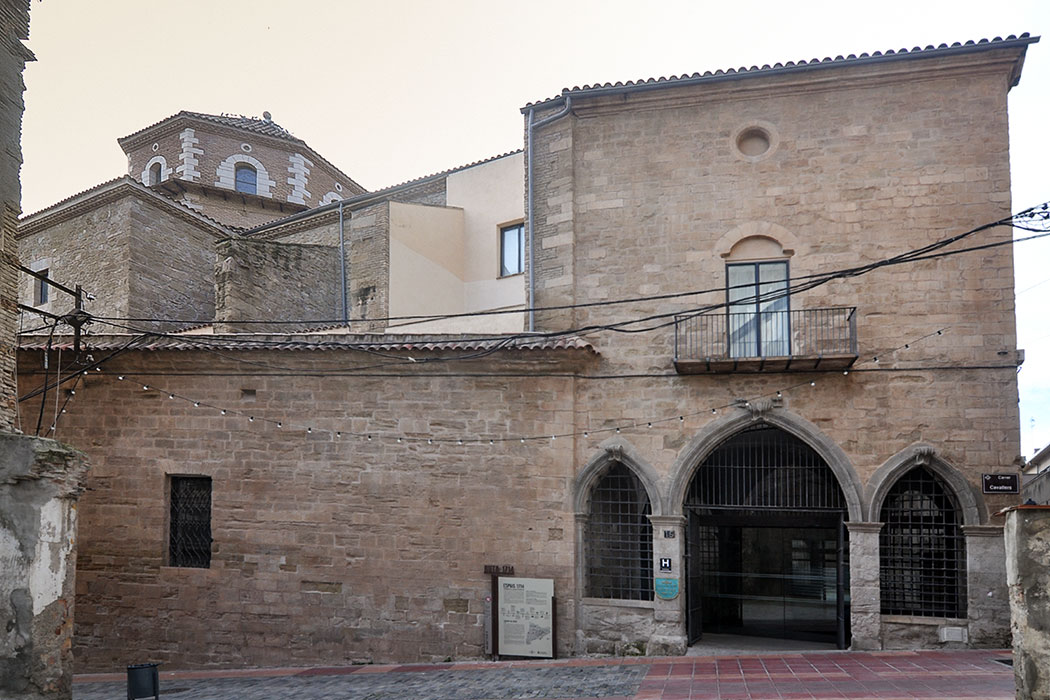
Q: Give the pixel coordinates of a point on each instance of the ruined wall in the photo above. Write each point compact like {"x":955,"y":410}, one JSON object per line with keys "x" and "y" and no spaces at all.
{"x":39,"y":486}
{"x":1028,"y":575}
{"x":258,"y":280}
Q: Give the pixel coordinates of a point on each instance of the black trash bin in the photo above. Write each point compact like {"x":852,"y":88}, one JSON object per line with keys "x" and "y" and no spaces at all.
{"x":143,"y":681}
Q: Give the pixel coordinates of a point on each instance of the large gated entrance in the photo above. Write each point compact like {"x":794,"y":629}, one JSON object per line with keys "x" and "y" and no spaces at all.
{"x":767,"y":550}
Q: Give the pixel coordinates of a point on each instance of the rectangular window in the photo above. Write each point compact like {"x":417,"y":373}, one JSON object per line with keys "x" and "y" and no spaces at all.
{"x":41,"y":288}
{"x":758,"y":309}
{"x":189,"y":538}
{"x":511,"y":250}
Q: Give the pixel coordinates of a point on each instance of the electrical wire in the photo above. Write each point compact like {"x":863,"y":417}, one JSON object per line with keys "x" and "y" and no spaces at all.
{"x":1038,"y":212}
{"x":808,"y":282}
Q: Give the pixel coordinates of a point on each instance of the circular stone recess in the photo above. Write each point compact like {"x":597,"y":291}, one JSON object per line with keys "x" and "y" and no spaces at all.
{"x":753,"y":141}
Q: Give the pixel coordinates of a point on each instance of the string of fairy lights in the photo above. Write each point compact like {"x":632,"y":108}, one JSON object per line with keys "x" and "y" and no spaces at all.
{"x":379,"y":435}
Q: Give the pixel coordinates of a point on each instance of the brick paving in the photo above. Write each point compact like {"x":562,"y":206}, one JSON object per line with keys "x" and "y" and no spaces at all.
{"x":945,"y":675}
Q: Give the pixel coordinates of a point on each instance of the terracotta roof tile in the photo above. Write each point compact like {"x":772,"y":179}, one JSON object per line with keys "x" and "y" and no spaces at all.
{"x":267,"y":127}
{"x":373,"y":195}
{"x":315,"y":342}
{"x":791,"y":66}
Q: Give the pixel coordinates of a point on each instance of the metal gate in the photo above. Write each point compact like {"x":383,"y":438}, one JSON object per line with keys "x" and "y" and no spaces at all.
{"x":767,"y":550}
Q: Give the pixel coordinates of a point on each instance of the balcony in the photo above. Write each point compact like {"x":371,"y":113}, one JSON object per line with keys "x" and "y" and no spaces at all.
{"x":768,"y":341}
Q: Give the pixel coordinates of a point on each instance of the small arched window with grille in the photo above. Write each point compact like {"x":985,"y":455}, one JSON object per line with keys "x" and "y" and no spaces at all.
{"x":245,"y":179}
{"x":155,"y":174}
{"x":922,"y":551}
{"x":619,"y":538}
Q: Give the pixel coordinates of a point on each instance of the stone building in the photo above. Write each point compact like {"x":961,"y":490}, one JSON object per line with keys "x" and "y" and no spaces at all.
{"x":658,"y":357}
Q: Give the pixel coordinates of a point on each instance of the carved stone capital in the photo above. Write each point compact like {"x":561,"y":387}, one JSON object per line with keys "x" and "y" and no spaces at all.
{"x":870,"y":528}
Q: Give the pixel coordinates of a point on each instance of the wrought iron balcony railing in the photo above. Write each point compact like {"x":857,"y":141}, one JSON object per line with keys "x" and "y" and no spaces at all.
{"x":770,"y":341}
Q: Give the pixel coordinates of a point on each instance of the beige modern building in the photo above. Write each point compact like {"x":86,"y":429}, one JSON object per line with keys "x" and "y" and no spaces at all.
{"x":738,"y":377}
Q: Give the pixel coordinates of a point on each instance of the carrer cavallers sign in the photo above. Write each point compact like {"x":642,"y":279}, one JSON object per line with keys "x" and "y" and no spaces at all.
{"x":1000,"y":483}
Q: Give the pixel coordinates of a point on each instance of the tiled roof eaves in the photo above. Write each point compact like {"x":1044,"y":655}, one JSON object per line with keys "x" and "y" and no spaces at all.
{"x":107,"y":192}
{"x":214,"y":119}
{"x":743,"y":72}
{"x":235,"y":123}
{"x":258,"y":342}
{"x":374,"y":196}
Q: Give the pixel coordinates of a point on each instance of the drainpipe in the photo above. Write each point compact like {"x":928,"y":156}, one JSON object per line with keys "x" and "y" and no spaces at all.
{"x":530,"y":127}
{"x":342,"y":264}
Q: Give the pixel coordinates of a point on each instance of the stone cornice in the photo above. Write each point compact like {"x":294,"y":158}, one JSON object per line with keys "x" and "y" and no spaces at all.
{"x":308,"y":221}
{"x":1016,"y":45}
{"x":667,"y":520}
{"x":982,"y":530}
{"x":846,"y":76}
{"x":870,"y":528}
{"x":107,"y":193}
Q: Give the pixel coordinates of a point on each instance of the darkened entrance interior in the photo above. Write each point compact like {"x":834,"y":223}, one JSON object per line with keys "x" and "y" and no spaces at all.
{"x":767,"y":550}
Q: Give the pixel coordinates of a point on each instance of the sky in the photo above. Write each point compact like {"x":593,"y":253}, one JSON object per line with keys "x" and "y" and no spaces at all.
{"x":395,"y":90}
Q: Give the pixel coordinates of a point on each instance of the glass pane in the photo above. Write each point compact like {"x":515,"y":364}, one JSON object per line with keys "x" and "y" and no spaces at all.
{"x":775,"y":326}
{"x":741,"y":280}
{"x":521,"y":248}
{"x":246,"y":179}
{"x":511,"y":250}
{"x":742,"y":321}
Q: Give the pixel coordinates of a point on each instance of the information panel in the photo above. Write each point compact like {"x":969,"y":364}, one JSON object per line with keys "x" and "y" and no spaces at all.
{"x":525,"y":617}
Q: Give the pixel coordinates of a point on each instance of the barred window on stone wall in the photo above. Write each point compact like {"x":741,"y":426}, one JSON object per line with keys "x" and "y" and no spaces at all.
{"x":922,"y":549}
{"x":189,"y":526}
{"x":619,"y":538}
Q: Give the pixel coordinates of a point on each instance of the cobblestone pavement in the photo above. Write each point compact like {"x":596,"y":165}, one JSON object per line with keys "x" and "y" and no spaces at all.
{"x":949,"y":675}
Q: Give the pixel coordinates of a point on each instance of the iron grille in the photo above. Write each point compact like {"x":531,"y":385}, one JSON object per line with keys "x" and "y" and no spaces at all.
{"x":619,"y":538}
{"x":807,"y":332}
{"x":190,"y":523}
{"x":764,"y":468}
{"x":922,"y":549}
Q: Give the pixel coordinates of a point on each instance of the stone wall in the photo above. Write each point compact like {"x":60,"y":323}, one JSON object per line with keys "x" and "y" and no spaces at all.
{"x":1028,"y":575}
{"x":39,"y":485}
{"x":648,"y":193}
{"x":90,"y":248}
{"x":14,"y":21}
{"x":366,"y":233}
{"x":170,"y":269}
{"x":139,"y":258}
{"x":256,"y":280}
{"x":1038,"y":489}
{"x":326,"y":549}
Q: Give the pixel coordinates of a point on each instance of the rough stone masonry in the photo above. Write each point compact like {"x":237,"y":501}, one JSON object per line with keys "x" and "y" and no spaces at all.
{"x":39,"y":485}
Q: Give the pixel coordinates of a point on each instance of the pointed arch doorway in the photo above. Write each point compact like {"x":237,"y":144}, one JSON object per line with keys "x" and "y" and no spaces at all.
{"x":767,"y":550}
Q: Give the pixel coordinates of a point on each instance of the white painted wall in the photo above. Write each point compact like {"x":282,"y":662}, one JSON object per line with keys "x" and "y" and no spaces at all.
{"x":436,"y":269}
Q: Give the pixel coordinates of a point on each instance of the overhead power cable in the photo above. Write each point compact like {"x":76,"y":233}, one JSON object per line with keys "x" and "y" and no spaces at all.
{"x":1037,"y":214}
{"x":1034,"y":219}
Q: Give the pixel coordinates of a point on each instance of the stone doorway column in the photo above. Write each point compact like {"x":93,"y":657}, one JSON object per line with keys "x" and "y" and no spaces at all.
{"x":865,"y":592}
{"x":669,"y":635}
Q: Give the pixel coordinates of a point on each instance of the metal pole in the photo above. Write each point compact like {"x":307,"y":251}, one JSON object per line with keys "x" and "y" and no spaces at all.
{"x":342,"y":266}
